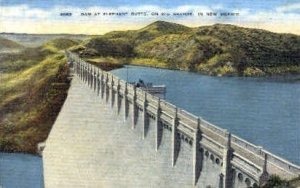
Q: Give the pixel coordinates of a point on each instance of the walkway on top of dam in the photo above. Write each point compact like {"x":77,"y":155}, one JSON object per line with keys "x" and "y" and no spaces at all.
{"x":90,"y":146}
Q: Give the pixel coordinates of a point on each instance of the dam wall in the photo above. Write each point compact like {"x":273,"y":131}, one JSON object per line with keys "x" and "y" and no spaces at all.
{"x":141,"y":140}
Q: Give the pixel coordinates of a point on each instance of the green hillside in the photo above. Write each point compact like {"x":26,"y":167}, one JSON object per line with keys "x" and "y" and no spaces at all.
{"x":122,"y":43}
{"x":148,"y":33}
{"x":33,"y":87}
{"x":256,"y":51}
{"x":215,"y":50}
{"x":57,"y":44}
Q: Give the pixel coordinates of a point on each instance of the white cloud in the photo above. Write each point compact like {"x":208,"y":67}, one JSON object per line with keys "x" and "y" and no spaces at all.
{"x":23,"y":12}
{"x":288,"y":7}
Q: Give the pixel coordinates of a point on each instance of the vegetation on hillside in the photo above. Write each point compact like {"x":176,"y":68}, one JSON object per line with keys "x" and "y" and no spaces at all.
{"x":215,"y":50}
{"x":150,"y":32}
{"x":34,"y":85}
{"x":255,"y":51}
{"x":101,"y":46}
{"x":276,"y":182}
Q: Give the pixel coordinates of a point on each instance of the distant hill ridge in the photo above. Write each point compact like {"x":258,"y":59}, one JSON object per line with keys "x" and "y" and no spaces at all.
{"x":220,"y":49}
{"x":35,"y":40}
{"x":6,"y":44}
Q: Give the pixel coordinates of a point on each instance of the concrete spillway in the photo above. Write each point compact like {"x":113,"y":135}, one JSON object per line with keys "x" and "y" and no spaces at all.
{"x":89,"y":146}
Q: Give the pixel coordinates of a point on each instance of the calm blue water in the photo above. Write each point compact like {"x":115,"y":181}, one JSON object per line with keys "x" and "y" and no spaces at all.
{"x":263,"y":111}
{"x":21,"y":170}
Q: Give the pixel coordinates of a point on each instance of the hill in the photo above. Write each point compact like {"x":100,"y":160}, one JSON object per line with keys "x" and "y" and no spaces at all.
{"x":256,"y":51}
{"x":147,"y":33}
{"x":34,"y":84}
{"x":121,"y":43}
{"x":36,"y":40}
{"x":215,"y":50}
{"x":57,"y":44}
{"x":6,"y":45}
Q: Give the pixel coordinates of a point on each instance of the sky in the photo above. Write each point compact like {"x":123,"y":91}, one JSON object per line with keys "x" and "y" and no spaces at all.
{"x":48,"y":16}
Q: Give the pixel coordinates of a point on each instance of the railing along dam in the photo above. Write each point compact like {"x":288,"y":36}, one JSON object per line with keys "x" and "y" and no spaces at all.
{"x":176,"y":149}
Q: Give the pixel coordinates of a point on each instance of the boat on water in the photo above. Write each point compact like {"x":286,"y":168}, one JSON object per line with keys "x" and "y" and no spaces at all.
{"x":156,"y":90}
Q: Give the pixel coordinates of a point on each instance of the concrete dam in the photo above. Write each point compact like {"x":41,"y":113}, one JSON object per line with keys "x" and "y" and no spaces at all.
{"x":110,"y":133}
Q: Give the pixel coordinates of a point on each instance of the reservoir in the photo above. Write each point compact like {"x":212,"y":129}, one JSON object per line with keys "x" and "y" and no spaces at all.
{"x":21,"y":170}
{"x":264,"y":111}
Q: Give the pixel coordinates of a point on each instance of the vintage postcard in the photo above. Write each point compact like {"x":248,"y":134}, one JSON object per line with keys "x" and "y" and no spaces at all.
{"x":149,"y":94}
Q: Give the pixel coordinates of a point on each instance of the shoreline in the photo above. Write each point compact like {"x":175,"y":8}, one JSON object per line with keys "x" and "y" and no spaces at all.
{"x":274,"y":76}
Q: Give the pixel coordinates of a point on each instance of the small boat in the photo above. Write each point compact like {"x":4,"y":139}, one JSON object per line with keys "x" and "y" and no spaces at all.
{"x":156,"y":90}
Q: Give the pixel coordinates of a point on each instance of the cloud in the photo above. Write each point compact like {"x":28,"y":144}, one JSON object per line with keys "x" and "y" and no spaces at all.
{"x":22,"y":18}
{"x":289,"y":7}
{"x":23,"y":12}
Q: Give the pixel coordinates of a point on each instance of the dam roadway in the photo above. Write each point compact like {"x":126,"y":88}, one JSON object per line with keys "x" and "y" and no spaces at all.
{"x":111,"y":134}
